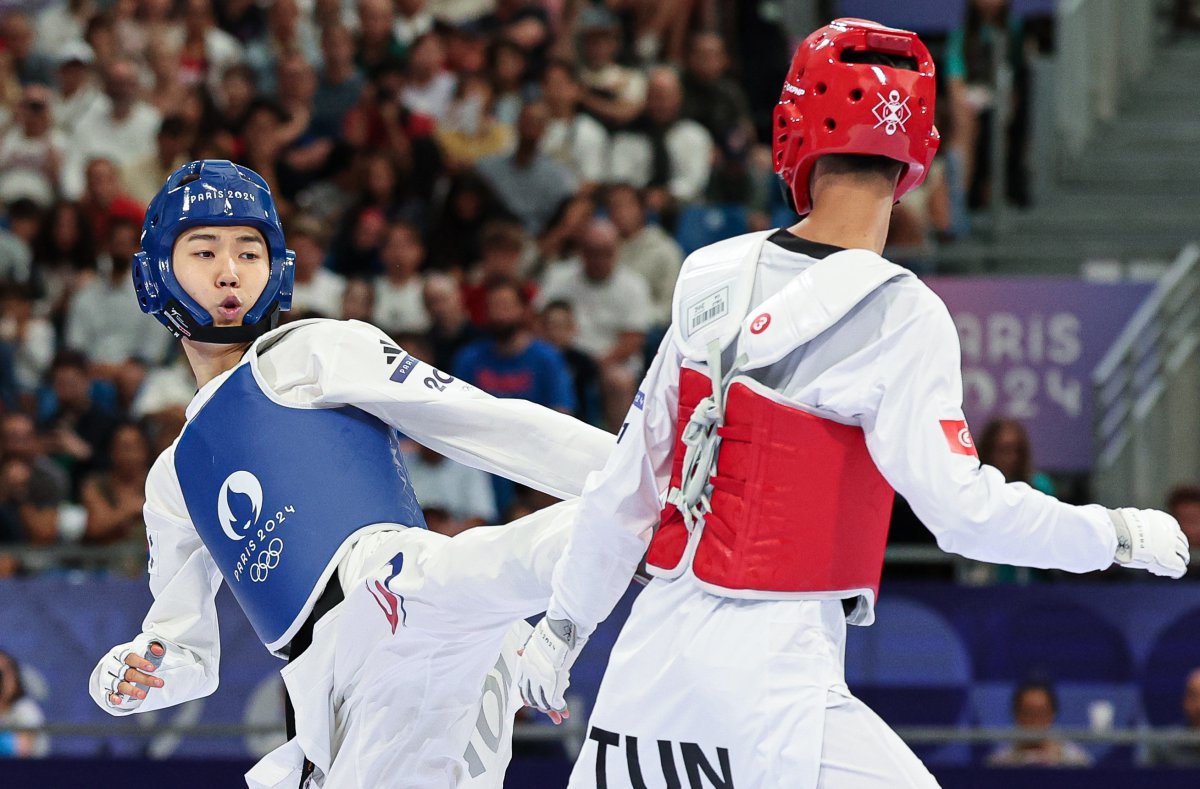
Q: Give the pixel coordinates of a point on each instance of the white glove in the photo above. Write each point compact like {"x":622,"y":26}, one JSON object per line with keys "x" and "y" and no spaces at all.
{"x":1150,"y":540}
{"x":124,"y":670}
{"x":543,"y":671}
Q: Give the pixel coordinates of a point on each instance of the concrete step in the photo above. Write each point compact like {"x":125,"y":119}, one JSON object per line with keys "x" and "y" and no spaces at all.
{"x":1134,"y":195}
{"x":1118,"y":144}
{"x":1108,"y":206}
{"x":1095,"y":241}
{"x":1046,"y":256}
{"x":1142,"y":128}
{"x":1139,"y":168}
{"x":1049,"y":221}
{"x":1162,"y":105}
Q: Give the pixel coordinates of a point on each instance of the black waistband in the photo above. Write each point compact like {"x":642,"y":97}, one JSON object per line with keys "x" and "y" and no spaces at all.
{"x":303,"y":639}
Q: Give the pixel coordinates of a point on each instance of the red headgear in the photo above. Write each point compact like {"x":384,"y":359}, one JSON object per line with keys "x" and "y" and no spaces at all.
{"x":832,"y":102}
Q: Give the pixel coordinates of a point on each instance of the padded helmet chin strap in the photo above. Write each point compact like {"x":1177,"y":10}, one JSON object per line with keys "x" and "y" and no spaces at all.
{"x":189,"y":328}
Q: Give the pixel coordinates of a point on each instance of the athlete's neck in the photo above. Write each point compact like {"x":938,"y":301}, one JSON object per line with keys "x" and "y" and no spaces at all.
{"x":848,"y":212}
{"x":208,"y":359}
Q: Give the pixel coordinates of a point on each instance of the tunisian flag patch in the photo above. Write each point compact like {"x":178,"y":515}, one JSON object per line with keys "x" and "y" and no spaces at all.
{"x":958,"y":436}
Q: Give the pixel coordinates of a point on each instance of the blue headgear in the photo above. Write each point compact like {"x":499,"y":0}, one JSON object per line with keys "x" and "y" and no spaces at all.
{"x":210,"y":192}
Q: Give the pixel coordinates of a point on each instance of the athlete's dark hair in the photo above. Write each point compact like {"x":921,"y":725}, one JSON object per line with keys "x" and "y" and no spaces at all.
{"x":857,"y":164}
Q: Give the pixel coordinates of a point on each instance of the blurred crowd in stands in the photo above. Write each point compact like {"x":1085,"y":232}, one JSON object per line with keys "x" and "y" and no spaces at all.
{"x":508,"y":187}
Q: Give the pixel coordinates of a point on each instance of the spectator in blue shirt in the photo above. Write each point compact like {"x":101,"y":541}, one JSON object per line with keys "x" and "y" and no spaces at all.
{"x":511,"y":362}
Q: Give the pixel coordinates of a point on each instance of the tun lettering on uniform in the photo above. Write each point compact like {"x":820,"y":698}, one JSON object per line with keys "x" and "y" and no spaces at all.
{"x":698,"y":769}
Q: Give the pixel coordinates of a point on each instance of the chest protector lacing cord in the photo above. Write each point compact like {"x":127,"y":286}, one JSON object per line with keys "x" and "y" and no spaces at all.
{"x":703,"y":442}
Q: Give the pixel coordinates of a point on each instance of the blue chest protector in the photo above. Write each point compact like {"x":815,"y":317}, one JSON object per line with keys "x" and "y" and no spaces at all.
{"x":274,"y":492}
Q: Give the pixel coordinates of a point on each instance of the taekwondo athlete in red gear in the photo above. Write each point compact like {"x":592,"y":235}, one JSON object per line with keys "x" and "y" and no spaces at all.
{"x":287,"y":484}
{"x":803,"y":380}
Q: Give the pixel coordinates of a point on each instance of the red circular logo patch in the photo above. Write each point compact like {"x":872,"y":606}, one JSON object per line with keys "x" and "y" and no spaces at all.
{"x":760,"y":324}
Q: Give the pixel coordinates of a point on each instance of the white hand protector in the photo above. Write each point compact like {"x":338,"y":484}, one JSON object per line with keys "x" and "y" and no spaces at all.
{"x":1150,"y":540}
{"x":543,"y":672}
{"x":113,"y":674}
{"x":114,"y":670}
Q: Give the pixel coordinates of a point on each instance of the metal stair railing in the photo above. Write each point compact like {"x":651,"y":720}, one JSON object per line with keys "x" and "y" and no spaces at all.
{"x":1147,"y":395}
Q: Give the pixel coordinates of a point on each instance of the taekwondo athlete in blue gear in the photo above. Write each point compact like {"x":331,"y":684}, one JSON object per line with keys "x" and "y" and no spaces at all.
{"x":288,"y":485}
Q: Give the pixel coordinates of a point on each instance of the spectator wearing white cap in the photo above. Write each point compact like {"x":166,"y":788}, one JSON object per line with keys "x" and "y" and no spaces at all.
{"x":78,"y":92}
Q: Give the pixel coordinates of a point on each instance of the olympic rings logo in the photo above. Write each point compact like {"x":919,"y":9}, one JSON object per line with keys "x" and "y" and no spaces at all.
{"x":268,"y":560}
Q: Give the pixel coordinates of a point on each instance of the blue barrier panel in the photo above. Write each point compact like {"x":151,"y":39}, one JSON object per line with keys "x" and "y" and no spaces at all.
{"x":1115,"y":778}
{"x":931,"y":658}
{"x":526,"y":774}
{"x":206,"y":774}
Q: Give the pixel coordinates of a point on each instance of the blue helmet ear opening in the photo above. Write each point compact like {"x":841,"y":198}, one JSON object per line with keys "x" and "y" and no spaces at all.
{"x":278,"y":291}
{"x":144,"y":285}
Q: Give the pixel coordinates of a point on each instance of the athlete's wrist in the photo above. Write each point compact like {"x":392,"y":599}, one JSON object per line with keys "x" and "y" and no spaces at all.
{"x":555,"y":611}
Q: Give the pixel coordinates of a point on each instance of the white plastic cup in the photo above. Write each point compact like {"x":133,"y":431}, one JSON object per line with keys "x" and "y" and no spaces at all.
{"x":1101,"y":714}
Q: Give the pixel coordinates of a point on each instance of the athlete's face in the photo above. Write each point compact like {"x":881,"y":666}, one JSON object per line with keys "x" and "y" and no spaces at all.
{"x":225,"y":269}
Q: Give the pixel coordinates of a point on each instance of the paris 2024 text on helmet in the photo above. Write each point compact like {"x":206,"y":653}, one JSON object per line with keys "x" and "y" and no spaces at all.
{"x":212,"y":192}
{"x":856,"y":87}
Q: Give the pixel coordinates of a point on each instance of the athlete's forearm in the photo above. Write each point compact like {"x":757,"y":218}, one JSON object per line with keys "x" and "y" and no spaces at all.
{"x":984,"y":518}
{"x":620,"y":506}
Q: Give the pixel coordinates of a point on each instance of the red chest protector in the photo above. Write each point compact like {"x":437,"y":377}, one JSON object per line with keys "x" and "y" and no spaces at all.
{"x":798,"y":508}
